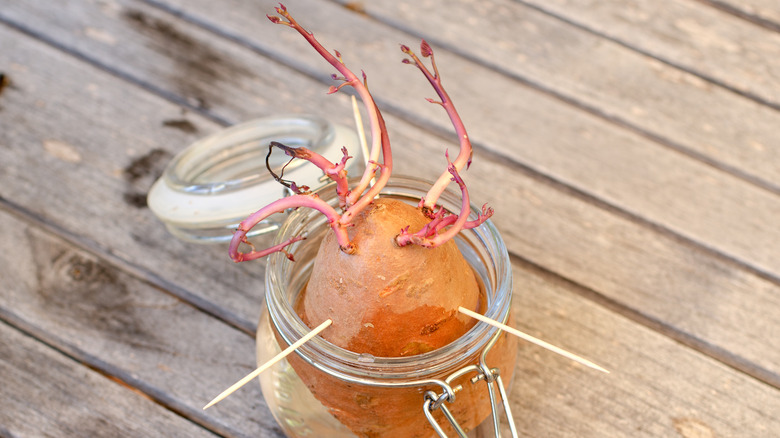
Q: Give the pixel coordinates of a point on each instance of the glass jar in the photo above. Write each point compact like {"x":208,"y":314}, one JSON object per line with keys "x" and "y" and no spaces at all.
{"x":379,"y":396}
{"x":211,"y":186}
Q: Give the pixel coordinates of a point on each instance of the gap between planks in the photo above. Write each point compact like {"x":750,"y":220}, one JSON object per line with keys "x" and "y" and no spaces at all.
{"x":527,"y":169}
{"x":703,"y":76}
{"x":696,"y":344}
{"x":616,"y":120}
{"x":111,"y":372}
{"x":169,"y":96}
{"x":92,"y":247}
{"x":248,"y":327}
{"x":743,"y":14}
{"x":142,"y":274}
{"x":718,"y":354}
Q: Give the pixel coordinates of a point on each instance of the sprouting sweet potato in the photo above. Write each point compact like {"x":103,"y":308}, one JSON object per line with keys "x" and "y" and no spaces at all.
{"x":388,"y":300}
{"x":390,"y":277}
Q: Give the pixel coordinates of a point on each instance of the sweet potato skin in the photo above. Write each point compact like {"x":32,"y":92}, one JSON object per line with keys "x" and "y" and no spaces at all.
{"x":386,"y":300}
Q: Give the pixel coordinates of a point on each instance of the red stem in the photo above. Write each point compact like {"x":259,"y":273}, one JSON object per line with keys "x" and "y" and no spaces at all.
{"x":356,"y":200}
{"x":379,"y":139}
{"x":405,"y":238}
{"x":336,"y":172}
{"x":293,"y":201}
{"x":464,"y":156}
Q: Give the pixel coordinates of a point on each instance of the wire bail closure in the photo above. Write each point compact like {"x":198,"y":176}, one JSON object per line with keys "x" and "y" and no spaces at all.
{"x":491,"y":376}
{"x":433,"y":401}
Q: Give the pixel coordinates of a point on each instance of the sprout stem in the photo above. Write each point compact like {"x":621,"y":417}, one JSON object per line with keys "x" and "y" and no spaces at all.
{"x":379,"y":140}
{"x":442,"y":227}
{"x":464,"y":156}
{"x":278,"y":206}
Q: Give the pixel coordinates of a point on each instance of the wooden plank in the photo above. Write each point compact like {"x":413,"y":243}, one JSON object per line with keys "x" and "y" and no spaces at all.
{"x":127,"y":329}
{"x":665,"y":103}
{"x":654,"y":390}
{"x":654,"y":274}
{"x":104,"y":172}
{"x":180,"y":356}
{"x":595,"y":157}
{"x":46,"y":394}
{"x":656,"y":362}
{"x":691,"y":201}
{"x":692,"y":35}
{"x":763,"y":12}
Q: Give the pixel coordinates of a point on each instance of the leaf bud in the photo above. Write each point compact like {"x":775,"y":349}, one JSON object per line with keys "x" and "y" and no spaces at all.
{"x":425,"y":49}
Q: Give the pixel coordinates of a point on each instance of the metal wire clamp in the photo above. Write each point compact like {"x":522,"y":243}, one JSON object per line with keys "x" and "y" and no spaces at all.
{"x":491,"y":376}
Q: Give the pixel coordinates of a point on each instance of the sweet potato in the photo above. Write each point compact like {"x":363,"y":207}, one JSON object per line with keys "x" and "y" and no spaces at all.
{"x":388,"y":300}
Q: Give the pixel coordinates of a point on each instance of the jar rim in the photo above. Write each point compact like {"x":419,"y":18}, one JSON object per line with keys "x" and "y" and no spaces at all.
{"x":496,"y":275}
{"x":193,"y":170}
{"x":218,"y":180}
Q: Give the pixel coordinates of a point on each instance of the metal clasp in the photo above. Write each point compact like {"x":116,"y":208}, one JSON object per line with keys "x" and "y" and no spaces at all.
{"x":491,"y":376}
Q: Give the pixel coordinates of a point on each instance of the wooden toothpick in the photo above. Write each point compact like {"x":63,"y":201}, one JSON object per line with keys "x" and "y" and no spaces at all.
{"x":270,"y":363}
{"x":532,"y":339}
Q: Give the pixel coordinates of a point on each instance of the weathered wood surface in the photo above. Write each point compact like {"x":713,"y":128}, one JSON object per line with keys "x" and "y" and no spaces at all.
{"x":49,"y":394}
{"x":591,"y":155}
{"x":714,"y":44}
{"x":127,"y":329}
{"x":673,"y":107}
{"x":661,"y":265}
{"x":762,"y":12}
{"x":180,"y":357}
{"x":640,"y":280}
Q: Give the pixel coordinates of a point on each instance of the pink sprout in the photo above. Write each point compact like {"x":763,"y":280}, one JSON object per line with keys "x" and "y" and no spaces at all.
{"x":443,"y":225}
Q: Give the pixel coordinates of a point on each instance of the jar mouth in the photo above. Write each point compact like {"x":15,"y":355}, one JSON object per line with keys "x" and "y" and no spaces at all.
{"x":235,"y":157}
{"x":210,"y":187}
{"x":483,"y":247}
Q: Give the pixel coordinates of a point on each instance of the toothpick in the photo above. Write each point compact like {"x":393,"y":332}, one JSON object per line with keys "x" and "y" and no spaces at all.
{"x":270,"y":363}
{"x":532,"y":339}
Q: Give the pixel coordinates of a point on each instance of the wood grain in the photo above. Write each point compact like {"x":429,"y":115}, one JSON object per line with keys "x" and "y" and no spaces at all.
{"x":713,"y":43}
{"x":46,"y":394}
{"x":174,"y":353}
{"x":622,"y":260}
{"x":674,"y":107}
{"x":129,"y":330}
{"x":102,"y":204}
{"x":654,"y":390}
{"x":658,"y":264}
{"x":619,"y":167}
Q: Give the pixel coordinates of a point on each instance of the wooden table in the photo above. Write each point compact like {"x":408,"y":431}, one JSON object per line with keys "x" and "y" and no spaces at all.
{"x":631,"y":150}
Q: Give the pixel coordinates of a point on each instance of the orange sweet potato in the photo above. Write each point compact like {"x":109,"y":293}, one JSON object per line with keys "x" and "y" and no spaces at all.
{"x":387,"y":300}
